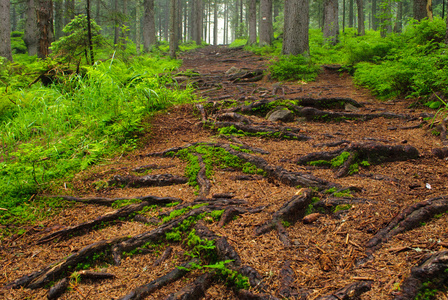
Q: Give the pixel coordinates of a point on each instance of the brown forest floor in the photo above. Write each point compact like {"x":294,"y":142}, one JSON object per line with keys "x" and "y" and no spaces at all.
{"x":322,"y":254}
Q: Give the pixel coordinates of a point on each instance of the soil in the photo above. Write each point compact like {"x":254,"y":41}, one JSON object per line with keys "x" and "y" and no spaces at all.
{"x":320,"y":257}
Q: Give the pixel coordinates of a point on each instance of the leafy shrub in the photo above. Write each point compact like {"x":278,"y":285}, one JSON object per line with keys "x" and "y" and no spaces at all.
{"x":294,"y":67}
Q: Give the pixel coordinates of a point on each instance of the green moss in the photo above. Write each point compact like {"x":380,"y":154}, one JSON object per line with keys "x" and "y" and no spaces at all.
{"x":318,"y":163}
{"x":342,"y":207}
{"x":340,"y":160}
{"x":125,"y":202}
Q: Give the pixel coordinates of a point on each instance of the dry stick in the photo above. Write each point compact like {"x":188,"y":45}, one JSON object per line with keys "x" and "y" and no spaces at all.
{"x":143,"y":291}
{"x":152,"y":200}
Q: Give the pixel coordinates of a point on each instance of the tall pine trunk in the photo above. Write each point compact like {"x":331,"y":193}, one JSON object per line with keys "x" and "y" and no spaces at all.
{"x":266,"y":30}
{"x":252,"y":22}
{"x":361,"y":28}
{"x":331,"y":23}
{"x":149,"y":28}
{"x":295,"y":39}
{"x":44,"y":17}
{"x":31,"y":31}
{"x":5,"y":30}
{"x":173,"y":25}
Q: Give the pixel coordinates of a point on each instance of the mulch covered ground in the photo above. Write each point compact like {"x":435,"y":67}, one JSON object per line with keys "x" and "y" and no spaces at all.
{"x":331,"y":252}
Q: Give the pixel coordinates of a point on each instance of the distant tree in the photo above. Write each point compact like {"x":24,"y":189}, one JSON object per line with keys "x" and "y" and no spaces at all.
{"x":331,"y":23}
{"x":266,"y":30}
{"x":58,"y":18}
{"x":295,"y":34}
{"x":197,"y":22}
{"x":149,"y":25}
{"x":252,"y":9}
{"x":361,"y":28}
{"x":5,"y":30}
{"x":215,"y":23}
{"x":173,"y":37}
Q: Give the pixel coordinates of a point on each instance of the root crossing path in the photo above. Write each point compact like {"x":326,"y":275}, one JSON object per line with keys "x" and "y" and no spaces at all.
{"x":265,"y":190}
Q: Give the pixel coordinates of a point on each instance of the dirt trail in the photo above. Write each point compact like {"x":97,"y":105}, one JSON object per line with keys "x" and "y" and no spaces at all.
{"x":370,"y":223}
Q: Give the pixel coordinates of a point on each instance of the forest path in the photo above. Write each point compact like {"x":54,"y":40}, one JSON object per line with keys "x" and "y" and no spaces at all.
{"x":291,"y":223}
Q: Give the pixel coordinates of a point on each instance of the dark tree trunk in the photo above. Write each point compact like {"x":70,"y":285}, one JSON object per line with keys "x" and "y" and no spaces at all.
{"x":343,"y":15}
{"x":361,"y":28}
{"x":266,"y":30}
{"x":173,"y":37}
{"x":31,"y":31}
{"x":399,"y":21}
{"x":215,"y":23}
{"x":89,"y":33}
{"x":5,"y":30}
{"x":149,"y":28}
{"x":44,"y":17}
{"x":350,"y":14}
{"x":331,"y":24}
{"x":420,"y":9}
{"x":295,"y":40}
{"x":374,"y":15}
{"x":58,"y":19}
{"x":252,"y":21}
{"x":116,"y":23}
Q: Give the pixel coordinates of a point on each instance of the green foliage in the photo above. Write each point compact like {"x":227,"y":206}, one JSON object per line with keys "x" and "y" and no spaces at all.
{"x":342,"y":207}
{"x":238,"y":43}
{"x":340,"y":159}
{"x":17,"y":44}
{"x":293,"y":67}
{"x":51,"y":132}
{"x":125,"y":202}
{"x":76,"y":43}
{"x":430,"y":290}
{"x":179,"y":212}
{"x":212,"y":157}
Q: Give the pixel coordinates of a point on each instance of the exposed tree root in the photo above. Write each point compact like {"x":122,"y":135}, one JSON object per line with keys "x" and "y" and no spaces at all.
{"x":60,"y":287}
{"x":203,"y":182}
{"x":124,"y":212}
{"x":372,"y":153}
{"x":234,"y":118}
{"x":232,"y":212}
{"x":287,"y":289}
{"x":195,"y":290}
{"x":432,"y":269}
{"x":114,"y":246}
{"x":143,"y":291}
{"x":336,"y":102}
{"x":281,"y":132}
{"x":246,"y":295}
{"x":152,"y":200}
{"x":351,"y":291}
{"x":332,"y":144}
{"x":411,"y":217}
{"x":247,"y":76}
{"x":148,"y":180}
{"x":143,"y":169}
{"x":440,"y":152}
{"x":163,"y":257}
{"x":290,"y":212}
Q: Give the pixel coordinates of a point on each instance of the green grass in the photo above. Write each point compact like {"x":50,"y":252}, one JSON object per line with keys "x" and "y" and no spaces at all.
{"x":48,"y":133}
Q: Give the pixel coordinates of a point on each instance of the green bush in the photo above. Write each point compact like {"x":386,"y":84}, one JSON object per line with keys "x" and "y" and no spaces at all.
{"x":294,"y":67}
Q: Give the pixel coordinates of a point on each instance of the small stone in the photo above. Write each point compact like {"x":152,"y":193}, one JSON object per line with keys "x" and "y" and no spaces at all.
{"x":284,"y":115}
{"x":351,"y":107}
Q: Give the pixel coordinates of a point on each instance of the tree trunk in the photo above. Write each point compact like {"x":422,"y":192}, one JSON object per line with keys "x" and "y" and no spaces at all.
{"x":179,"y":21}
{"x":266,"y":30}
{"x":331,"y":24}
{"x":197,"y":22}
{"x":385,"y":20}
{"x":215,"y":23}
{"x":350,"y":14}
{"x":44,"y":18}
{"x":69,"y":11}
{"x":429,"y":9}
{"x":420,"y":9}
{"x":89,"y":33}
{"x":116,"y":23}
{"x":97,"y":13}
{"x":343,"y":15}
{"x":137,"y":27}
{"x":31,"y":31}
{"x":14,"y":18}
{"x":252,"y":21}
{"x":375,"y":20}
{"x":399,"y":21}
{"x":149,"y":28}
{"x":58,"y":19}
{"x":361,"y":28}
{"x":5,"y":30}
{"x":446,"y":35}
{"x":295,"y":39}
{"x":173,"y":19}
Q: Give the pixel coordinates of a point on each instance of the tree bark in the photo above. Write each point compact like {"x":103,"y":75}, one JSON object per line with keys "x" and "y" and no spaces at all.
{"x":31,"y":31}
{"x":89,"y":33}
{"x":149,"y":26}
{"x":361,"y":28}
{"x":266,"y":30}
{"x":173,"y":38}
{"x":420,"y":9}
{"x":399,"y":21}
{"x":5,"y":30}
{"x":58,"y":19}
{"x":69,"y":11}
{"x":296,"y":27}
{"x":331,"y":24}
{"x":252,"y":21}
{"x":44,"y":18}
{"x":137,"y":27}
{"x":374,"y":16}
{"x":197,"y":22}
{"x":215,"y":23}
{"x":350,"y":14}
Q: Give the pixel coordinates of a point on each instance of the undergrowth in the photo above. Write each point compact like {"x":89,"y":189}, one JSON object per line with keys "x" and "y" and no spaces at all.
{"x":50,"y":130}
